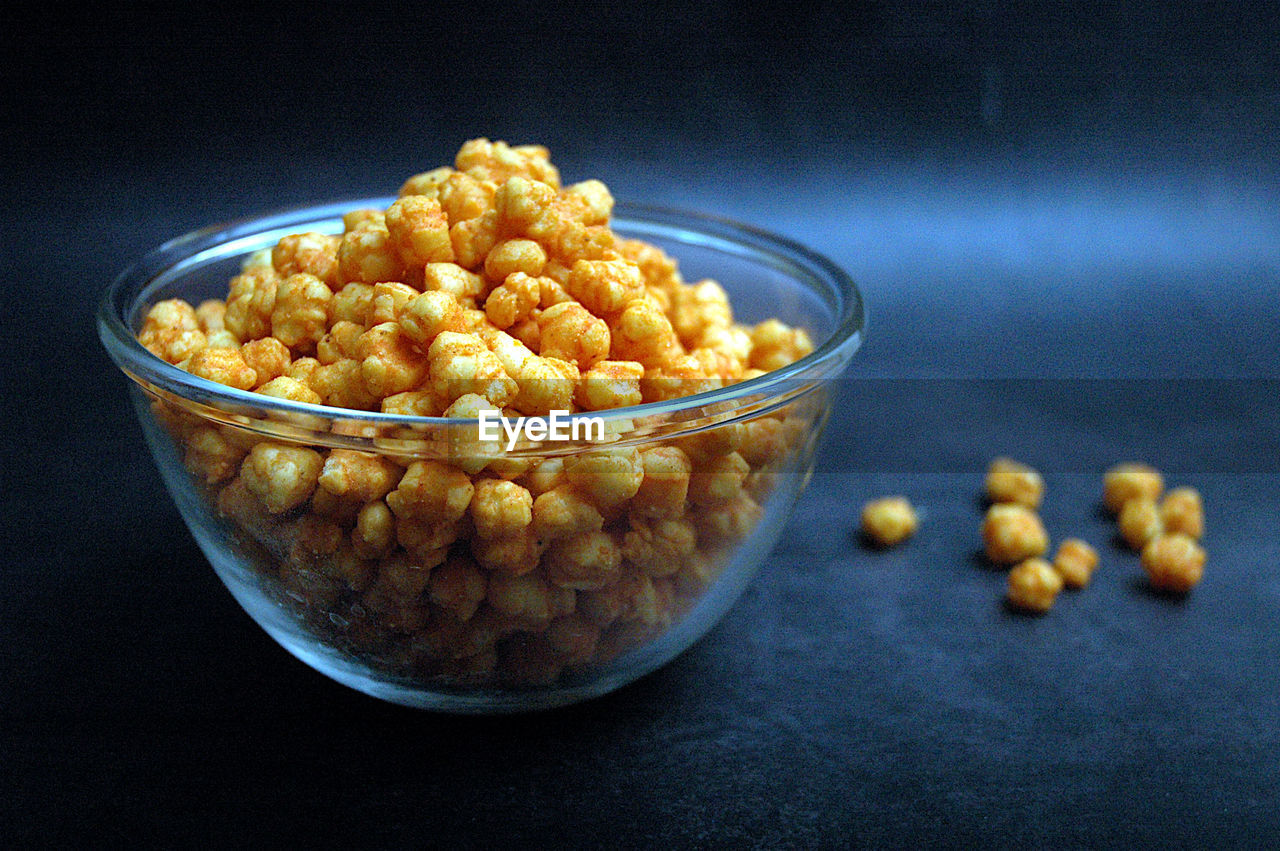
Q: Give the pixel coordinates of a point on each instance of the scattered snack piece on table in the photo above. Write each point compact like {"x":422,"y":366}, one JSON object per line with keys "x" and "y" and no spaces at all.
{"x":888,"y":521}
{"x":1012,"y":481}
{"x":1183,"y":511}
{"x":1173,"y":562}
{"x":1131,"y":480}
{"x":1139,"y":522}
{"x":1013,"y":533}
{"x":1075,"y":562}
{"x":1033,"y":586}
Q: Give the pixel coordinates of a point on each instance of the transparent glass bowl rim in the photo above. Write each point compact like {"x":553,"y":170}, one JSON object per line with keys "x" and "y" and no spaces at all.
{"x":134,"y":285}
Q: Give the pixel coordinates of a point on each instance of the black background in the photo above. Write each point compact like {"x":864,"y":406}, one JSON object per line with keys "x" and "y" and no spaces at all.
{"x":1064,"y":220}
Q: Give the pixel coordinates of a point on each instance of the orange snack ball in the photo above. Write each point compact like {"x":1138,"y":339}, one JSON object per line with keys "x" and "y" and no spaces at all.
{"x":515,"y":255}
{"x":594,"y":201}
{"x":267,"y":357}
{"x":513,"y":301}
{"x":292,"y":389}
{"x":473,"y":239}
{"x":171,"y":331}
{"x":211,"y":456}
{"x":459,"y":585}
{"x":341,"y":341}
{"x":607,"y":476}
{"x":310,"y":253}
{"x":526,"y":596}
{"x":1033,"y":586}
{"x":585,"y":562}
{"x":419,"y":230}
{"x":1183,"y":511}
{"x":359,"y":476}
{"x":568,"y":331}
{"x":498,"y":161}
{"x":1012,"y":481}
{"x":561,"y":513}
{"x":225,"y":366}
{"x":517,"y":554}
{"x":352,"y":303}
{"x":888,"y":521}
{"x":1139,"y":522}
{"x":1013,"y":533}
{"x":500,"y":508}
{"x":433,"y":492}
{"x":389,"y":363}
{"x":341,"y":385}
{"x":665,"y":486}
{"x":660,"y":546}
{"x":605,"y":287}
{"x":210,"y":314}
{"x":388,"y":301}
{"x":368,"y":254}
{"x":282,"y":477}
{"x":1075,"y":562}
{"x":683,"y":375}
{"x":462,"y":364}
{"x":775,"y":344}
{"x":643,"y":333}
{"x":426,"y":315}
{"x":546,"y":384}
{"x":250,"y":302}
{"x":1124,"y":482}
{"x":699,"y":307}
{"x":729,"y":522}
{"x":426,"y":183}
{"x":375,"y":531}
{"x":610,"y":384}
{"x":300,"y":315}
{"x":718,"y":479}
{"x":1173,"y":562}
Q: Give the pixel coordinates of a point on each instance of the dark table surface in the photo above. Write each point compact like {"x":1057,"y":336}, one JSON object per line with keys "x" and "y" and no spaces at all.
{"x":1066,"y":228}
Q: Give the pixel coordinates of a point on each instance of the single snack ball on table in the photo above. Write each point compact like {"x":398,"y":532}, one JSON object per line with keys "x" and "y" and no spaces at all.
{"x":487,"y":286}
{"x":1033,"y":586}
{"x":1173,"y":562}
{"x":1075,"y":562}
{"x":1139,"y":522}
{"x":888,"y":521}
{"x":1012,"y":481}
{"x":1013,"y":533}
{"x":1131,"y":480}
{"x":1182,"y":510}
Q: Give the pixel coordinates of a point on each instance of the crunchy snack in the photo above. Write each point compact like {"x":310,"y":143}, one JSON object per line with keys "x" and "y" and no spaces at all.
{"x":1182,"y":510}
{"x":487,"y":287}
{"x":1075,"y":562}
{"x":888,"y":521}
{"x":1173,"y":562}
{"x":1139,"y":522}
{"x":1013,"y":481}
{"x":1131,"y":480}
{"x":1033,"y":586}
{"x":1013,"y":533}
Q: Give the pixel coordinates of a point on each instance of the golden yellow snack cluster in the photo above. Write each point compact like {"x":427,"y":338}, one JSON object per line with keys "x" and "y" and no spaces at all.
{"x":486,"y":287}
{"x":1165,"y":531}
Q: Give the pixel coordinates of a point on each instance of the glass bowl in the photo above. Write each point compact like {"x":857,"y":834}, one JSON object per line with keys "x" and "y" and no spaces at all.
{"x":422,"y":623}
